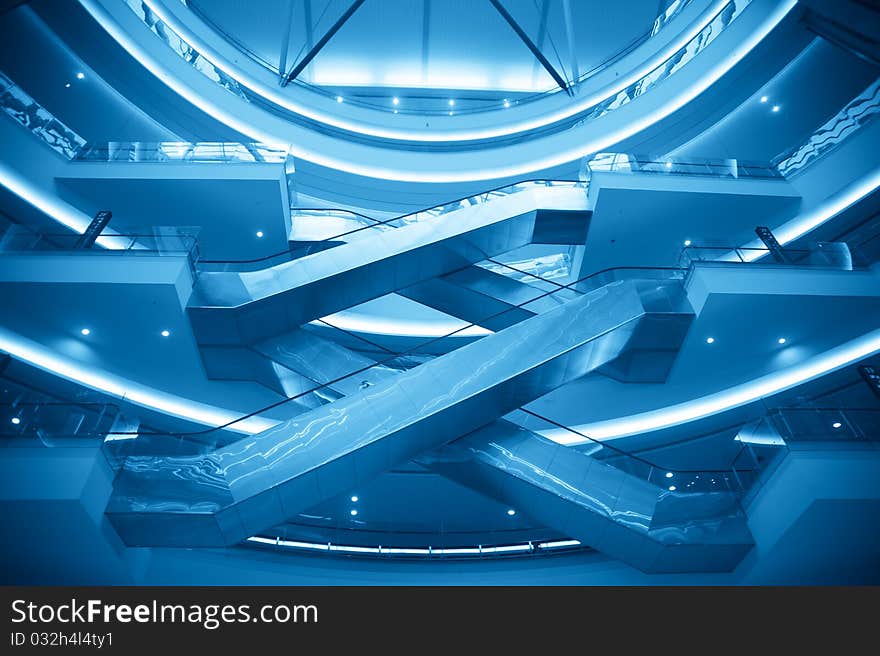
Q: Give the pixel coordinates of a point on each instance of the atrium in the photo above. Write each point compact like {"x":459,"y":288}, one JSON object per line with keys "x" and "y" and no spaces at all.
{"x":383,"y":292}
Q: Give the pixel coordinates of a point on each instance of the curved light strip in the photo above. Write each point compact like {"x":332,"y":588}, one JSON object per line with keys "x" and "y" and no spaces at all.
{"x":365,"y":323}
{"x":281,"y":100}
{"x":461,"y":174}
{"x":823,"y":212}
{"x":778,"y":381}
{"x":170,"y":404}
{"x":62,"y":212}
{"x":767,"y":385}
{"x":479,"y":550}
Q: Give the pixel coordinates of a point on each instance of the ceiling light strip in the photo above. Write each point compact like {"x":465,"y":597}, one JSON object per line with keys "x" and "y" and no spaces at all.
{"x":731,"y":398}
{"x":52,"y":206}
{"x":44,"y":358}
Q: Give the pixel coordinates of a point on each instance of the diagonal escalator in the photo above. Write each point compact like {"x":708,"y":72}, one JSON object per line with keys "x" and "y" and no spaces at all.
{"x":233,"y":492}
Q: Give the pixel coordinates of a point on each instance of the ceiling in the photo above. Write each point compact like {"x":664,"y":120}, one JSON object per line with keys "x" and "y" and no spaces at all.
{"x":754,"y":132}
{"x":417,"y":44}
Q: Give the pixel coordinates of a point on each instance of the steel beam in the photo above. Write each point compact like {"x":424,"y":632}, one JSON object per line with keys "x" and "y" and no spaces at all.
{"x":305,"y":61}
{"x":531,"y":46}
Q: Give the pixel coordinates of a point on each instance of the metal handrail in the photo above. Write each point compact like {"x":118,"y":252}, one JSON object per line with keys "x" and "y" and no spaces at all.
{"x":400,"y":217}
{"x":634,"y":455}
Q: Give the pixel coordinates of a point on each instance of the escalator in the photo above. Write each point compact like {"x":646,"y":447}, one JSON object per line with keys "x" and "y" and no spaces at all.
{"x":230,"y":493}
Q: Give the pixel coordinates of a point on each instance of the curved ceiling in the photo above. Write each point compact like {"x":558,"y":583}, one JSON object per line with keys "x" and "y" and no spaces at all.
{"x":398,"y":44}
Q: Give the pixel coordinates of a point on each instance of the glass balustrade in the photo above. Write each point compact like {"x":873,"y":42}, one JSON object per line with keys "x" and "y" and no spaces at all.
{"x":832,"y":425}
{"x":743,"y":468}
{"x":28,"y":113}
{"x":720,"y":168}
{"x":856,"y":114}
{"x":824,"y":255}
{"x":676,"y":62}
{"x":181,"y":151}
{"x":156,"y":240}
{"x":52,"y":423}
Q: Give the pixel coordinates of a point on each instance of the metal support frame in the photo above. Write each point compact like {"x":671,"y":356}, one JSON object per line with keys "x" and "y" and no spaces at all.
{"x":569,"y":35}
{"x":531,"y":46}
{"x":305,"y":61}
{"x":94,"y":230}
{"x":766,"y":235}
{"x":285,"y":41}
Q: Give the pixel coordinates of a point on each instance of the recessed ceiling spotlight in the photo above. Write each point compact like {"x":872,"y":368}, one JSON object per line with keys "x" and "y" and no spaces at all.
{"x":451,"y":103}
{"x":511,"y":512}
{"x":85,"y":331}
{"x":668,"y":165}
{"x":16,"y":421}
{"x":80,"y":76}
{"x":67,"y":86}
{"x":165,"y":333}
{"x":395,"y":111}
{"x":450,"y":113}
{"x":669,"y":474}
{"x":775,"y":108}
{"x":260,"y":233}
{"x":710,"y":340}
{"x":339,"y":99}
{"x":763,"y":98}
{"x":354,"y":499}
{"x":395,"y":101}
{"x":672,"y":488}
{"x":836,"y":424}
{"x":353,"y":512}
{"x":781,"y":340}
{"x":687,"y":242}
{"x":506,"y":103}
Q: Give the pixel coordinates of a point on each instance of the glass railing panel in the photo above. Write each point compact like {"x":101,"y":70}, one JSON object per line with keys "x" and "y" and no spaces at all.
{"x":607,"y":276}
{"x":325,"y":224}
{"x":182,"y":152}
{"x":53,"y":132}
{"x":183,"y":49}
{"x":51,"y":423}
{"x":856,"y":114}
{"x":542,"y":272}
{"x":742,"y":471}
{"x":678,"y":60}
{"x":823,"y":255}
{"x":721,"y":168}
{"x":828,"y":424}
{"x":160,"y":240}
{"x":28,"y":113}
